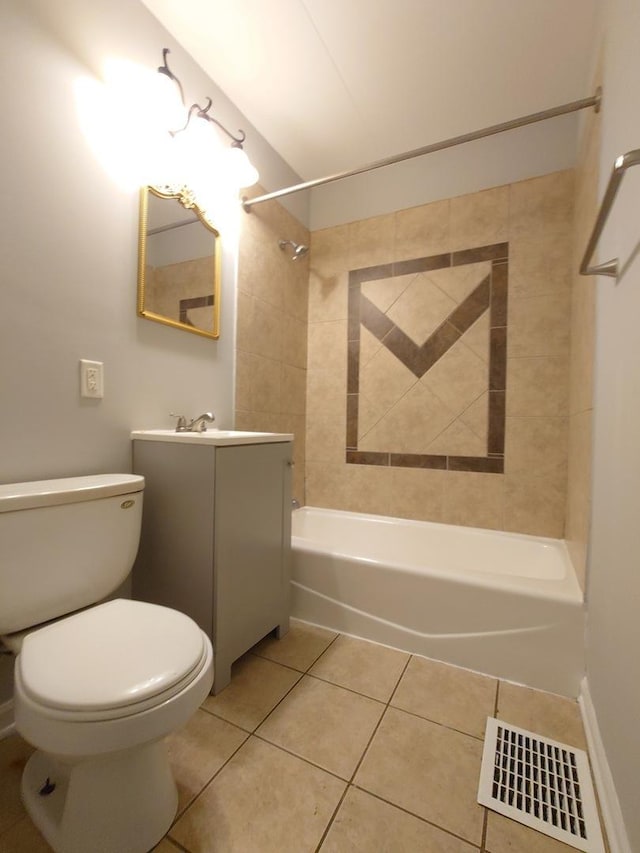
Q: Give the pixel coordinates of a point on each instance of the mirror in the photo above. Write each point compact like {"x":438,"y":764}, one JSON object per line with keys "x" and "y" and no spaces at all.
{"x":178,"y":264}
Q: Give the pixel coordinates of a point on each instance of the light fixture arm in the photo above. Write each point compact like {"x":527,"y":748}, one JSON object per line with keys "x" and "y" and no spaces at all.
{"x":164,"y":69}
{"x":203,"y":112}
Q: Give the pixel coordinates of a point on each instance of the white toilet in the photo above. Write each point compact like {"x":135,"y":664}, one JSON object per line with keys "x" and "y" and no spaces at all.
{"x":95,"y":691}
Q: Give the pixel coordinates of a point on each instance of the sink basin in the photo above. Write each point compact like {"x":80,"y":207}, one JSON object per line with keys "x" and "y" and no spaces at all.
{"x":216,"y":437}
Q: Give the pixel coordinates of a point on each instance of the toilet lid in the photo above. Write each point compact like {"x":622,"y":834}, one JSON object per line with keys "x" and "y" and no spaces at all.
{"x":110,"y":656}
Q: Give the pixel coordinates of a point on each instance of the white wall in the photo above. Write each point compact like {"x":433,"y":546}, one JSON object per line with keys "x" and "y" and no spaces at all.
{"x":68,"y":248}
{"x":613,"y":634}
{"x":513,"y":156}
{"x":68,"y":255}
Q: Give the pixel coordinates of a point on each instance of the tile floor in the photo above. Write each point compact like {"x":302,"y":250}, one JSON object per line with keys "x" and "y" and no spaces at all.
{"x":327,"y":743}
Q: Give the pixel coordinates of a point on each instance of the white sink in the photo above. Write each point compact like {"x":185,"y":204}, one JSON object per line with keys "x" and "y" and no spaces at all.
{"x":217,"y":437}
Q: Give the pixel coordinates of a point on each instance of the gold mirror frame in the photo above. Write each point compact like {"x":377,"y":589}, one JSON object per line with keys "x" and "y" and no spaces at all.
{"x":186,"y":199}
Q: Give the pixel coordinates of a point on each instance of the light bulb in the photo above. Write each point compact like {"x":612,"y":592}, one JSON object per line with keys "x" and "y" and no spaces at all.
{"x":243,"y":171}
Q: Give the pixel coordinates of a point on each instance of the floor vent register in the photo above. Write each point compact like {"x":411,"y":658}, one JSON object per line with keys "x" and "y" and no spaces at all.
{"x":541,"y":783}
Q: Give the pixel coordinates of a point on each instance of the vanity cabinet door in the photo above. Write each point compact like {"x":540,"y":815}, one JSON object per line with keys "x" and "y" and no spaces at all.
{"x":252,"y":544}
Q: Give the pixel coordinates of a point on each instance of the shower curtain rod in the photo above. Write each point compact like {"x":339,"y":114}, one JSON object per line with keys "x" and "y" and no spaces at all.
{"x":571,"y":107}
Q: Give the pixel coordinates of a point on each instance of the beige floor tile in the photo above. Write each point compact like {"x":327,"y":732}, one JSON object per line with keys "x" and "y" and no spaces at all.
{"x":545,"y":714}
{"x":325,"y":724}
{"x":263,"y":801}
{"x":257,"y":685}
{"x":198,"y":750}
{"x":447,"y":694}
{"x":23,"y":837}
{"x":299,"y":648}
{"x":14,"y":752}
{"x":365,"y":824}
{"x":361,"y":666}
{"x":508,"y":836}
{"x":427,"y":769}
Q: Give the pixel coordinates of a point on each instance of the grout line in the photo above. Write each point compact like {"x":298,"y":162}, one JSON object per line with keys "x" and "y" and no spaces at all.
{"x":332,"y":818}
{"x":175,"y":844}
{"x":413,"y":814}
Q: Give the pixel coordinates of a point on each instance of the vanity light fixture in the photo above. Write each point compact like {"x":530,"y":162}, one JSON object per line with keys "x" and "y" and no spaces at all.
{"x":237,"y":163}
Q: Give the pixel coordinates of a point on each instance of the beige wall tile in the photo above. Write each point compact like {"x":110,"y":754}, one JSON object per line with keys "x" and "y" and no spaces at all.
{"x":325,"y":483}
{"x":329,"y":251}
{"x":457,"y":440}
{"x":537,"y":387}
{"x":371,"y":241}
{"x":420,"y":309}
{"x":458,"y":282}
{"x":294,"y":342}
{"x":411,"y":425}
{"x":294,"y":387}
{"x":539,"y":325}
{"x":416,"y":494}
{"x":479,"y":219}
{"x":383,"y":292}
{"x":271,"y":341}
{"x":458,"y":378}
{"x":326,"y":434}
{"x":583,"y":333}
{"x":535,"y":505}
{"x":535,"y":446}
{"x":539,"y":266}
{"x":384,"y":380}
{"x":394,"y":413}
{"x":422,"y":231}
{"x":541,"y":207}
{"x":327,"y":346}
{"x":266,"y":385}
{"x":476,"y":417}
{"x":474,"y":500}
{"x":328,"y":296}
{"x":367,"y":489}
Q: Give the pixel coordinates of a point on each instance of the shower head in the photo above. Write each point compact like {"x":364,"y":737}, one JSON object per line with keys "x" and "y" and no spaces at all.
{"x":299,"y":249}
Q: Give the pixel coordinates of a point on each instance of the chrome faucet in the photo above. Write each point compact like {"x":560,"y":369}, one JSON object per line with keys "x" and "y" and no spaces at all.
{"x":198,"y":424}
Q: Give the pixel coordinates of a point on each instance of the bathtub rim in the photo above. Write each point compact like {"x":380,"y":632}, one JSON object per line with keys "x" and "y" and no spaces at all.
{"x":566,"y":589}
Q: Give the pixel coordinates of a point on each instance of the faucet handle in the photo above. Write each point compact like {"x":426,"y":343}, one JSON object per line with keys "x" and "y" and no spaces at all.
{"x":181,"y":424}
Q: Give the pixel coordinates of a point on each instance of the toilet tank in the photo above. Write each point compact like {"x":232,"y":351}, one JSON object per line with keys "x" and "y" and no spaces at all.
{"x":65,"y":544}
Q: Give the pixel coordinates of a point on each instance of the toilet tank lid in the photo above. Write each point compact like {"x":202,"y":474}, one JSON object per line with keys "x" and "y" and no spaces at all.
{"x":17,"y":496}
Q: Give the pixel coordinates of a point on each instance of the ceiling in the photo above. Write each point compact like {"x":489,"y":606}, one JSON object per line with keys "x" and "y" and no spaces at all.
{"x":334,"y":84}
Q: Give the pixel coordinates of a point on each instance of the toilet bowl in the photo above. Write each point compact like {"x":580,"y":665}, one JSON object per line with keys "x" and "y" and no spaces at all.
{"x":96,"y":691}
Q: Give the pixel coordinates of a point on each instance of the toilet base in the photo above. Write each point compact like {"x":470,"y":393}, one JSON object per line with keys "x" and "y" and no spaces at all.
{"x":121,"y":802}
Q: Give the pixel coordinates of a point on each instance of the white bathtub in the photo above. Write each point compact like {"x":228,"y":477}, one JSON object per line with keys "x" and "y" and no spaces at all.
{"x":505,"y":604}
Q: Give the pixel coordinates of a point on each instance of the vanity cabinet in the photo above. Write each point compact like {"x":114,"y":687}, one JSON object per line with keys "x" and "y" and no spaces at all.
{"x":216,"y":537}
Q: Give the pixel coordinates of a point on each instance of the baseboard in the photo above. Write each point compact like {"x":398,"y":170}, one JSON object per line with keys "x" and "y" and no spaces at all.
{"x":7,"y":726}
{"x":611,"y":813}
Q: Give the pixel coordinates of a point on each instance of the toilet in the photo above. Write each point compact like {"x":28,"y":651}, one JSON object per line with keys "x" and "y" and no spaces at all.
{"x":98,"y":684}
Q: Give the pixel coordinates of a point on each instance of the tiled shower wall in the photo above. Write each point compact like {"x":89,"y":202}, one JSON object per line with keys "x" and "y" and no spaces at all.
{"x":438,"y":356}
{"x":271,"y":345}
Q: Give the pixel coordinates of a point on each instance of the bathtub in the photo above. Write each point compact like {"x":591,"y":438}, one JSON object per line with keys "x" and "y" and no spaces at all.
{"x":504,"y":604}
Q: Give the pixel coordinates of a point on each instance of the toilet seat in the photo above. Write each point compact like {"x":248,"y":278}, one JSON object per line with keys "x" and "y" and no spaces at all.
{"x":110,"y":661}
